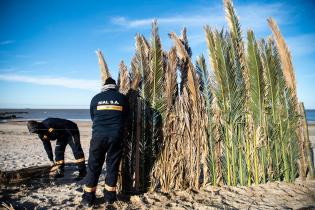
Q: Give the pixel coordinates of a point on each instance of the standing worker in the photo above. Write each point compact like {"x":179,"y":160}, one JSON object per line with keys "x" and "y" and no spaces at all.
{"x":108,"y":112}
{"x":65,"y":132}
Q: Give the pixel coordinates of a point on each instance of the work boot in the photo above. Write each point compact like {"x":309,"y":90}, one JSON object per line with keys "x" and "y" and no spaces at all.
{"x":59,"y":173}
{"x":82,"y":171}
{"x":109,"y":197}
{"x":88,"y":199}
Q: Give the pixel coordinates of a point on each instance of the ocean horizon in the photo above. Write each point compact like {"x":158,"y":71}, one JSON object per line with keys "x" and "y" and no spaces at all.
{"x":73,"y":114}
{"x":41,"y":114}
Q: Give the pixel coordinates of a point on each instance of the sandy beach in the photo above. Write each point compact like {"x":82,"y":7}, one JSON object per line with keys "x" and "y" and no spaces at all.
{"x":19,"y":149}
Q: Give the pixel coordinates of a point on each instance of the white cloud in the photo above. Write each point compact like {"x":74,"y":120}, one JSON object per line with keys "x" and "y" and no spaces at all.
{"x":22,"y":56}
{"x":7,"y":70}
{"x":255,"y":15}
{"x":93,"y":85}
{"x":310,"y":76}
{"x":174,"y":20}
{"x":251,"y":16}
{"x":40,"y":62}
{"x":6,"y":42}
{"x":197,"y":39}
{"x":302,"y":44}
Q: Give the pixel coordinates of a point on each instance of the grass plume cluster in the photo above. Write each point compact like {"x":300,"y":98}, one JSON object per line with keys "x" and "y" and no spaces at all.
{"x":236,"y":121}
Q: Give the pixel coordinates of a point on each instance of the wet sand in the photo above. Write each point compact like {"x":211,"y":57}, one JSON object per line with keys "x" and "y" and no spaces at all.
{"x":19,"y":149}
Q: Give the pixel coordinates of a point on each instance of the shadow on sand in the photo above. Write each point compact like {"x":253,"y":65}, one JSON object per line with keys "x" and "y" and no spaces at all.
{"x":31,"y":179}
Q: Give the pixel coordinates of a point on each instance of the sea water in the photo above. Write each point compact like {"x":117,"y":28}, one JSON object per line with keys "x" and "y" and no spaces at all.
{"x":40,"y":114}
{"x":78,"y":114}
{"x":310,"y":115}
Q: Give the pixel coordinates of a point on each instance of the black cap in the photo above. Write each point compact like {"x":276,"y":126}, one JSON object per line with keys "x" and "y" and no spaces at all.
{"x":33,"y":126}
{"x":110,"y":80}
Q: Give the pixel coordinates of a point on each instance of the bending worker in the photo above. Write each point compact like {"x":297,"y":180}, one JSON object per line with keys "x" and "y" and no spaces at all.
{"x":65,"y":132}
{"x":108,"y":112}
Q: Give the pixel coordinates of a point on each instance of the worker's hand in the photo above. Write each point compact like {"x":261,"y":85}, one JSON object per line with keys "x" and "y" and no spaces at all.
{"x":52,"y":163}
{"x":54,"y":168}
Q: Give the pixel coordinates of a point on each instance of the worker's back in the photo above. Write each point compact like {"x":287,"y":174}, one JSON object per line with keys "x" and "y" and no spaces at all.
{"x":59,"y":123}
{"x":61,"y":126}
{"x":108,"y":111}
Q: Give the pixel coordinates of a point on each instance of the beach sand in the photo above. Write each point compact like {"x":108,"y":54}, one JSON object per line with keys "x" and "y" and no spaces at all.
{"x":19,"y":149}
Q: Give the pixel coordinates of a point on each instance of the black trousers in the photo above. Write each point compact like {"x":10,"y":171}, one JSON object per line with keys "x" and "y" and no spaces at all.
{"x":74,"y":142}
{"x":99,"y":147}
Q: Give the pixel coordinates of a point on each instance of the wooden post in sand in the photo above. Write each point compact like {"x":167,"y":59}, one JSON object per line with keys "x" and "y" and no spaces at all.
{"x":138,"y":136}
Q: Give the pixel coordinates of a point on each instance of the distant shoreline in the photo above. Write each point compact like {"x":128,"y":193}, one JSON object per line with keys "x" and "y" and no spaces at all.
{"x":41,"y":114}
{"x":25,"y":120}
{"x":310,"y":123}
{"x":22,"y":115}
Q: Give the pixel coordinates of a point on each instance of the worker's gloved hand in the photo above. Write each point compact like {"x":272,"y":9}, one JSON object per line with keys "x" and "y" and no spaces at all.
{"x":57,"y":171}
{"x":54,"y":168}
{"x":52,"y":163}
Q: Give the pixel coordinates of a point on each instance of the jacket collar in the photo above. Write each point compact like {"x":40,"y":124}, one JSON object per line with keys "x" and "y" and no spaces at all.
{"x":109,"y":87}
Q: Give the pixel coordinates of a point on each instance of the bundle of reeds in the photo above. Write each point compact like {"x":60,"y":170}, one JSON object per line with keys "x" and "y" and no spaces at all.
{"x":238,"y":124}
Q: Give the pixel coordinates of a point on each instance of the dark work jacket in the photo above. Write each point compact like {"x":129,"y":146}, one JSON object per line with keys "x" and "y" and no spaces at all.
{"x":56,"y":128}
{"x":108,"y":110}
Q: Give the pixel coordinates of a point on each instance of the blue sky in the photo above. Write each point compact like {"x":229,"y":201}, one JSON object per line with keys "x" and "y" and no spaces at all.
{"x":47,"y":48}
